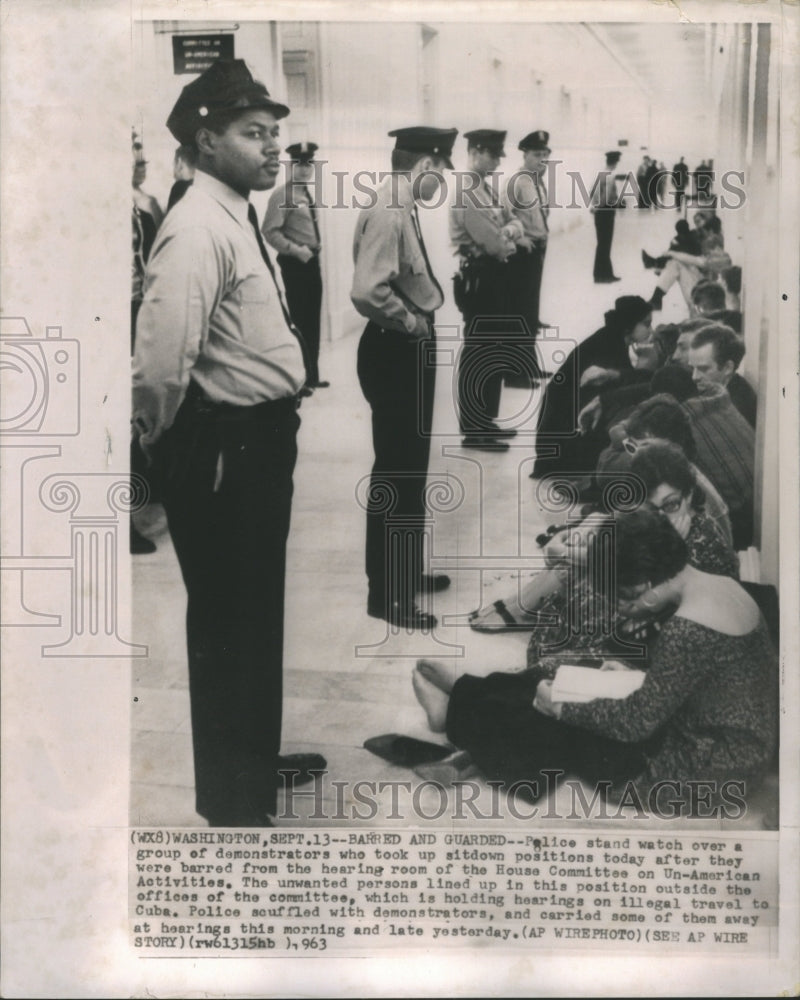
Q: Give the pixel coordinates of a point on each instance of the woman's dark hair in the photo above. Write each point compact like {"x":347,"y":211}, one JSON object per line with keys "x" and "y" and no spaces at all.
{"x":663,"y":462}
{"x":662,"y":416}
{"x":647,"y":548}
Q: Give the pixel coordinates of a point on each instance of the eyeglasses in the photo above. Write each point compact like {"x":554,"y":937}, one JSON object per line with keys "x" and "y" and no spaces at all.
{"x":631,"y":445}
{"x":671,"y":506}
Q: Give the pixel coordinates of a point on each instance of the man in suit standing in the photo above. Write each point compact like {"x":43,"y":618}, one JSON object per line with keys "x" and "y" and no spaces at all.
{"x":395,"y":289}
{"x":603,"y":206}
{"x":217,"y":372}
{"x":291,"y":226}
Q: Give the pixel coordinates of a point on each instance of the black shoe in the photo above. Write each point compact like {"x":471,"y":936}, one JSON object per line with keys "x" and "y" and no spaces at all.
{"x":320,"y":385}
{"x":614,"y":278}
{"x":655,"y":300}
{"x":139,"y":545}
{"x":307,"y":390}
{"x":483,"y":442}
{"x":647,"y":260}
{"x":402,"y":615}
{"x":432,"y":583}
{"x":296,"y":768}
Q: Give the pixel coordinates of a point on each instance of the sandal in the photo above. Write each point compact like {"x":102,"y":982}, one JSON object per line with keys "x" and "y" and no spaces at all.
{"x":510,"y":623}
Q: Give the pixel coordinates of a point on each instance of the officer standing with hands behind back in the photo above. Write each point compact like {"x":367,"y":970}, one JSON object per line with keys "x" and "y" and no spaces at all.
{"x":395,"y":289}
{"x":291,"y":226}
{"x":217,"y":372}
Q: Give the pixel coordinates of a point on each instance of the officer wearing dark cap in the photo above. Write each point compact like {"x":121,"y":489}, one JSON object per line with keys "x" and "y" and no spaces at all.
{"x":603,"y":206}
{"x":527,"y":198}
{"x":484,"y":233}
{"x":291,"y":226}
{"x":217,"y":371}
{"x":395,"y":289}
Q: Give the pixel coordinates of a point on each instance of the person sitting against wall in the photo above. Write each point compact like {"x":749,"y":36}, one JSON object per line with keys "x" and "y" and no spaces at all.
{"x":663,"y":418}
{"x":717,"y":353}
{"x":688,"y":268}
{"x":671,"y":485}
{"x":708,"y":302}
{"x":706,"y":710}
{"x":596,"y":362}
{"x":724,"y":439}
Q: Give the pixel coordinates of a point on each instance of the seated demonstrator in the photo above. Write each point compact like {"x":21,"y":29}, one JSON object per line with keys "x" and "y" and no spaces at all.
{"x":217,"y":372}
{"x":707,"y":710}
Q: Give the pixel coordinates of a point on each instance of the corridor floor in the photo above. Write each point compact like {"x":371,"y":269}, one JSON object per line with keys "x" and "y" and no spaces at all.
{"x":347,"y":676}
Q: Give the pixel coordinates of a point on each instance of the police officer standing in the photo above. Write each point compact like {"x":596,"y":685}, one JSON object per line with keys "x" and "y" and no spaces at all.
{"x":527,"y":199}
{"x":603,"y":206}
{"x":484,"y":233}
{"x":395,"y":289}
{"x":291,"y":226}
{"x":217,"y":372}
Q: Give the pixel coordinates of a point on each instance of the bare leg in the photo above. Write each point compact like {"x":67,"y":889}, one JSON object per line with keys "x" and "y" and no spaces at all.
{"x":433,"y":700}
{"x":521,"y":607}
{"x":437,"y":673}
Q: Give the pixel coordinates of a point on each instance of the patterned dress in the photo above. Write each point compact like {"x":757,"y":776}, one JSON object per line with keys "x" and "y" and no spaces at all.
{"x":707,"y":709}
{"x":707,"y":712}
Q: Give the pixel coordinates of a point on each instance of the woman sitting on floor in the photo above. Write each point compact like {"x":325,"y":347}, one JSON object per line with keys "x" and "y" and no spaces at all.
{"x":706,"y":710}
{"x":670,"y":483}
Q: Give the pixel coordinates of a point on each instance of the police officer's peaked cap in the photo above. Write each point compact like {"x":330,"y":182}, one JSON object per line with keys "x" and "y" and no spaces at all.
{"x":486,"y":138}
{"x":537,"y":141}
{"x":302,"y":152}
{"x":613,"y":154}
{"x":426,"y":140}
{"x":227,"y":85}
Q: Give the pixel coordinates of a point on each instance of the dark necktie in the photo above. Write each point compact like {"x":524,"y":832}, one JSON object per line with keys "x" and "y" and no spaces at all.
{"x":418,"y":231}
{"x":542,"y":201}
{"x":312,"y":208}
{"x":253,"y":219}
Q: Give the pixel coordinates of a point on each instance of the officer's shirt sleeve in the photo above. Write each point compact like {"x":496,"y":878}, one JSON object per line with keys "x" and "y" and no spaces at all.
{"x":378,"y":256}
{"x":185,"y":279}
{"x":275,"y":220}
{"x":481,"y":224}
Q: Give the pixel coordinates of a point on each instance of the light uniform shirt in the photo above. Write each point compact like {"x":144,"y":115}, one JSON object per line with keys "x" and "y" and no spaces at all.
{"x":477,"y":219}
{"x":604,"y":192}
{"x":392,"y":283}
{"x":527,"y":202}
{"x":288,"y":223}
{"x":211,"y":312}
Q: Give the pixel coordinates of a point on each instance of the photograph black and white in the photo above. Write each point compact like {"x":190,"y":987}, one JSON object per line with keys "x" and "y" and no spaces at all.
{"x":412,"y":571}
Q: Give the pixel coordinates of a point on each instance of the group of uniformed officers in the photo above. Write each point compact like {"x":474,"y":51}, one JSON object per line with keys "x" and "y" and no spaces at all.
{"x":222,"y":361}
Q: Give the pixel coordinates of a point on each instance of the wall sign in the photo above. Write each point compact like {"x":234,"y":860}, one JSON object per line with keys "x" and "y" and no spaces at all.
{"x":195,"y":53}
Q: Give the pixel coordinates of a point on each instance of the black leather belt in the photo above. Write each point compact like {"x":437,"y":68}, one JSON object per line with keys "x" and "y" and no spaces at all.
{"x":200,"y":402}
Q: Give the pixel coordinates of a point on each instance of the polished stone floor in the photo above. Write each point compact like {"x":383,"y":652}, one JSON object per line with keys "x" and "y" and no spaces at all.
{"x":348,"y":676}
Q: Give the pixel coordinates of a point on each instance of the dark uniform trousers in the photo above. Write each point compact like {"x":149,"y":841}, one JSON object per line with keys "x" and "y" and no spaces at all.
{"x":303,"y":284}
{"x":397,"y":376}
{"x":228,"y":492}
{"x":604,"y":227}
{"x":494,"y":343}
{"x":528,"y":266}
